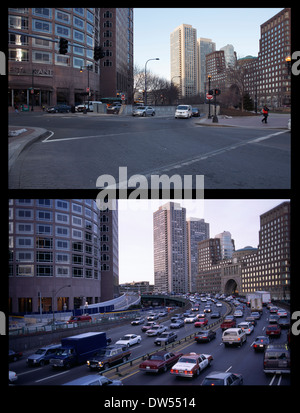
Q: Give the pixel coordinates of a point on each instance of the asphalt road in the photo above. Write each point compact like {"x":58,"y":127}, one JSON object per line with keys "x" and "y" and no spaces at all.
{"x":80,"y":149}
{"x":241,"y":360}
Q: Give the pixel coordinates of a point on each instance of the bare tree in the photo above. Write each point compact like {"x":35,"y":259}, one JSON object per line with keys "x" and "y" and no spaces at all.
{"x":236,"y":77}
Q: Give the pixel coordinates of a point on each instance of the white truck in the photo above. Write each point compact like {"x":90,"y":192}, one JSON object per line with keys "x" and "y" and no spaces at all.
{"x":265,"y":296}
{"x":256,"y":304}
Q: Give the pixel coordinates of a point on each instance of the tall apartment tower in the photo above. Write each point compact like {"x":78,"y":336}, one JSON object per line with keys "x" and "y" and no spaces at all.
{"x":170,"y":249}
{"x":184,"y":61}
{"x":116,"y":71}
{"x":227,"y":244}
{"x":205,"y":46}
{"x":197,"y":231}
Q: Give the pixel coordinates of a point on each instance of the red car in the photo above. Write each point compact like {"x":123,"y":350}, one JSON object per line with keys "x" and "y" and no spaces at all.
{"x":159,"y":361}
{"x":273,"y":330}
{"x":201,"y":322}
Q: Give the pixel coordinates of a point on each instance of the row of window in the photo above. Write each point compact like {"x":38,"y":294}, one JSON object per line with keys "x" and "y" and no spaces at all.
{"x":60,"y":271}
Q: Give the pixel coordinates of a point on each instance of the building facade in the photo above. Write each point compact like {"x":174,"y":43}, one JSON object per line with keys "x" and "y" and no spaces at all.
{"x":226,"y":243}
{"x":209,"y":269}
{"x":184,"y":60}
{"x":170,"y":249}
{"x":216,"y":68}
{"x":54,"y":254}
{"x":205,"y":46}
{"x":197,"y":230}
{"x":38,"y":75}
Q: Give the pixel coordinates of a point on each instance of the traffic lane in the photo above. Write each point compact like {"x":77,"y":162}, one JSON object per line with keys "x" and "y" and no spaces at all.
{"x":182,"y":148}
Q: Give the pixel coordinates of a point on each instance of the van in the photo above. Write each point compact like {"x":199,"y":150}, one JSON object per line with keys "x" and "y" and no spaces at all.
{"x":183,"y":111}
{"x":42,"y":355}
{"x":277,"y":359}
{"x":80,"y":318}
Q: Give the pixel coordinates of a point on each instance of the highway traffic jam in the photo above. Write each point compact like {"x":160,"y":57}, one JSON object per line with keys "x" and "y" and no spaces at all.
{"x":215,"y":342}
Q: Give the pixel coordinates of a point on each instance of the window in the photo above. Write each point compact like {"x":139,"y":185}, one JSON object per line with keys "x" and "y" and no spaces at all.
{"x":61,"y":204}
{"x":62,"y":244}
{"x":42,"y":242}
{"x":62,"y":30}
{"x":78,"y":36}
{"x":43,"y":12}
{"x":41,"y":26}
{"x":24,"y":242}
{"x":44,"y":229}
{"x":44,"y":271}
{"x":62,"y":16}
{"x":61,"y":218}
{"x":62,"y":231}
{"x":78,"y":22}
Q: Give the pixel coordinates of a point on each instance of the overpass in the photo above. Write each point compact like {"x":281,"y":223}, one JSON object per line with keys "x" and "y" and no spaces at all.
{"x":162,"y":300}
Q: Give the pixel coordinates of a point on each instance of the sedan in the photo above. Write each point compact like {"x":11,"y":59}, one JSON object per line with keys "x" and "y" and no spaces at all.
{"x":165,"y":338}
{"x":159,"y":361}
{"x":203,"y":336}
{"x":282,"y":313}
{"x":177,"y":324}
{"x":247,"y":327}
{"x":156,"y":330}
{"x":218,"y":378}
{"x":137,"y":321}
{"x":190,"y":365}
{"x":14,"y":355}
{"x":190,"y":319}
{"x":195,"y":112}
{"x":129,"y":340}
{"x":59,"y":109}
{"x":260,"y":343}
{"x":143,"y":111}
{"x":201,"y":322}
{"x":238,"y":313}
{"x":273,"y":330}
{"x":256,"y":315}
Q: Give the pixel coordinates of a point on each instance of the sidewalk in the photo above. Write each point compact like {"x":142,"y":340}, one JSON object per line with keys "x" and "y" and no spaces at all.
{"x":24,"y":136}
{"x":275,"y":121}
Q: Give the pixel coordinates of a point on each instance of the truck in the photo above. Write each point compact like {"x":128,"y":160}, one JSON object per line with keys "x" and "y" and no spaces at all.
{"x":228,"y":322}
{"x":265,"y":297}
{"x":77,"y":349}
{"x":256,"y":304}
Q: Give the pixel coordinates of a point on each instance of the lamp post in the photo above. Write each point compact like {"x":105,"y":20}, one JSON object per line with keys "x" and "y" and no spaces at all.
{"x":88,"y":68}
{"x":156,"y":58}
{"x":53,"y":296}
{"x":209,"y":80}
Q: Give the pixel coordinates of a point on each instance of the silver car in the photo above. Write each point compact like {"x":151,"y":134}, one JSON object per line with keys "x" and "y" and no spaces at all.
{"x":143,"y":111}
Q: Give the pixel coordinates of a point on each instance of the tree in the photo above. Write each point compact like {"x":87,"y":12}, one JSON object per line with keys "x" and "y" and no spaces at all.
{"x":236,"y":76}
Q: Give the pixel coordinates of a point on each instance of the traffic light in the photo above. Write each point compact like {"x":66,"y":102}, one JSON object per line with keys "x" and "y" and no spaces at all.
{"x":211,"y":92}
{"x":98,"y":53}
{"x":217,"y":92}
{"x":63,"y":46}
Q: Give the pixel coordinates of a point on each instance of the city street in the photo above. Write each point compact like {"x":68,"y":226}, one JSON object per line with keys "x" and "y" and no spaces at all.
{"x":80,"y":148}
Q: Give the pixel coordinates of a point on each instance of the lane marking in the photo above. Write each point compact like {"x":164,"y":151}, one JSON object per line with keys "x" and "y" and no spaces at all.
{"x":50,"y":377}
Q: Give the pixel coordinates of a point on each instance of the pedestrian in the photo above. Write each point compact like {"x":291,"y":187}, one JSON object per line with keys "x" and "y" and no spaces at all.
{"x":265,"y":112}
{"x":16,"y":109}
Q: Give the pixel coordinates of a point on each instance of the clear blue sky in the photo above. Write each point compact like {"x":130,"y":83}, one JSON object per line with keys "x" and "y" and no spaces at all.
{"x":240,"y":217}
{"x":237,"y":26}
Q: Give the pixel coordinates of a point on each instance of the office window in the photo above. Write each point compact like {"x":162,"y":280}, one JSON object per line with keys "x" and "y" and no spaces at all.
{"x":41,"y":26}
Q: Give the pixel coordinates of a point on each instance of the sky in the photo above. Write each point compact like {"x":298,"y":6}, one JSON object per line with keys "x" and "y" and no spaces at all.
{"x":237,"y":26}
{"x":240,"y":217}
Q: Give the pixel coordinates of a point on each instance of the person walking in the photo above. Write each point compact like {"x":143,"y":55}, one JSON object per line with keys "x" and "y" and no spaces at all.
{"x":265,"y":112}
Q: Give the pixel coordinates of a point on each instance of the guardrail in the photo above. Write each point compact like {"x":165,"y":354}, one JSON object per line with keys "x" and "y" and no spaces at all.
{"x":185,"y":339}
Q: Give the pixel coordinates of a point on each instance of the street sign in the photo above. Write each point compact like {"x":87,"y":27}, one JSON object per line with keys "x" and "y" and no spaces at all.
{"x":209,"y":97}
{"x":123,"y":96}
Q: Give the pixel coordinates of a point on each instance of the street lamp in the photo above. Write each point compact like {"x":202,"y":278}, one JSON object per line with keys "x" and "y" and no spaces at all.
{"x":209,"y":80}
{"x":88,"y":68}
{"x":156,"y":58}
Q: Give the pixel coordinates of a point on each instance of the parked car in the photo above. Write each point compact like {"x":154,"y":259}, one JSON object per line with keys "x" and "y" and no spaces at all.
{"x":143,"y":111}
{"x":159,"y":361}
{"x":129,"y":340}
{"x":183,"y":111}
{"x":94,"y":380}
{"x":277,"y":359}
{"x":165,"y":338}
{"x":190,"y":365}
{"x":260,"y":343}
{"x":42,"y":355}
{"x":195,"y":112}
{"x":273,"y":330}
{"x":204,"y":336}
{"x":59,"y":109}
{"x":219,"y":378}
{"x":14,"y":355}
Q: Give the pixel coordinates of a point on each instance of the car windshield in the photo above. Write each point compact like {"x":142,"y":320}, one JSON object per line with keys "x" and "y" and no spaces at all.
{"x":141,"y":108}
{"x":182,"y":107}
{"x":40,"y":351}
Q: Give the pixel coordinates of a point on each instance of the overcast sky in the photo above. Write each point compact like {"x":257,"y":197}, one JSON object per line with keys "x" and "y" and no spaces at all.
{"x":237,"y":26}
{"x":240,"y":217}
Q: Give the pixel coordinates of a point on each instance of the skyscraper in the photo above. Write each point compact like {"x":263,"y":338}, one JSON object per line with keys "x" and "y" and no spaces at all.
{"x":184,"y":61}
{"x":197,"y":231}
{"x":205,"y":46}
{"x":170,"y":249}
{"x":227,"y":244}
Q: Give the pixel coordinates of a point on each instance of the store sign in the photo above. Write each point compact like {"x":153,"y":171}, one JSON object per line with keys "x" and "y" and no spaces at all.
{"x":16,"y":70}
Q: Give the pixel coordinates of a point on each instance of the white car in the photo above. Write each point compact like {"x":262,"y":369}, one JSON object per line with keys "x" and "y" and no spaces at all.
{"x":219,"y":305}
{"x":183,"y":111}
{"x":143,"y":111}
{"x":191,"y":364}
{"x":246,"y":326}
{"x":129,"y":340}
{"x":12,"y":376}
{"x":191,"y":319}
{"x":156,"y":330}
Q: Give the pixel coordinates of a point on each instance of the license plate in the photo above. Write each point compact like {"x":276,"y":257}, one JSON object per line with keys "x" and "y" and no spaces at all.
{"x":148,"y":367}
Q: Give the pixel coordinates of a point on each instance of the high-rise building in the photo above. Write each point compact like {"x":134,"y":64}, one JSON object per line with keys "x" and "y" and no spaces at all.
{"x":55,"y":254}
{"x":170,"y":249}
{"x":197,"y":230}
{"x":229,"y":54}
{"x":205,"y":46}
{"x":227,"y":244}
{"x":38,"y":75}
{"x":116,"y":68}
{"x":184,"y":60}
{"x":216,"y":68}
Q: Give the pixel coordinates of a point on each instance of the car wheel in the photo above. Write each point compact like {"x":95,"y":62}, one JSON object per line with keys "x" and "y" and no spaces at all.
{"x":153,"y":113}
{"x":165,"y":368}
{"x":138,"y":341}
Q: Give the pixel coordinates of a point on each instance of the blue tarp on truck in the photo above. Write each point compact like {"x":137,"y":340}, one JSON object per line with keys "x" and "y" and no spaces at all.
{"x":77,"y":349}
